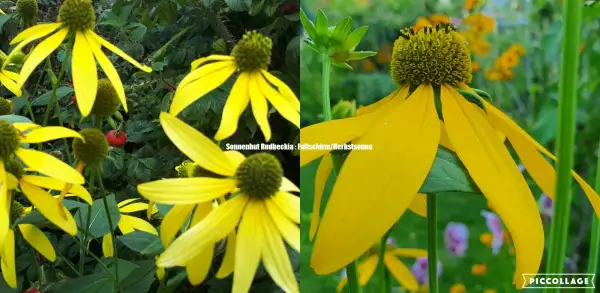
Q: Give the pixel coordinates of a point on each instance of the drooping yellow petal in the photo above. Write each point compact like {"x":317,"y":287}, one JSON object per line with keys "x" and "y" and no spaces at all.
{"x":235,"y":157}
{"x":186,"y":190}
{"x":54,"y":184}
{"x":12,"y":181}
{"x":218,"y":224}
{"x":107,"y":67}
{"x":323,"y":172}
{"x":491,"y":167}
{"x":11,"y":85}
{"x":119,"y":52}
{"x":401,"y":93}
{"x":260,"y":107}
{"x":5,"y":199}
{"x":280,"y":103}
{"x":444,"y":139}
{"x":10,"y":74}
{"x":49,"y":166}
{"x":51,"y":208}
{"x":44,"y":134}
{"x":107,"y":246}
{"x":419,"y":205}
{"x":288,"y":230}
{"x":23,"y":126}
{"x":9,"y":269}
{"x":203,"y":71}
{"x":198,"y":268}
{"x":134,"y":207}
{"x":228,"y":263}
{"x":196,"y":146}
{"x":283,"y":89}
{"x":365,"y":203}
{"x":410,"y":252}
{"x":234,"y":107}
{"x":38,"y":240}
{"x":39,"y":53}
{"x":85,"y":74}
{"x":400,"y":272}
{"x":173,"y":221}
{"x":196,"y":63}
{"x":288,"y":185}
{"x":130,"y":222}
{"x":289,"y":205}
{"x":35,"y":32}
{"x":249,"y":244}
{"x":274,"y":255}
{"x":366,"y":268}
{"x":198,"y":88}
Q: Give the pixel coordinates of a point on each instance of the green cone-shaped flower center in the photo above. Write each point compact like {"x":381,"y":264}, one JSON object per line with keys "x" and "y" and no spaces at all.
{"x":16,"y":211}
{"x":9,"y":140}
{"x":107,"y":100}
{"x":5,"y":106}
{"x":252,"y":52}
{"x":28,"y":10}
{"x":434,"y":55}
{"x":259,"y":176}
{"x":78,"y":15}
{"x":94,"y":149}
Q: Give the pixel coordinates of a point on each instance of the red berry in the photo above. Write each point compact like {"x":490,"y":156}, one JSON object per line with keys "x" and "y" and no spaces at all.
{"x":116,"y":139}
{"x":74,"y":99}
{"x":32,"y":290}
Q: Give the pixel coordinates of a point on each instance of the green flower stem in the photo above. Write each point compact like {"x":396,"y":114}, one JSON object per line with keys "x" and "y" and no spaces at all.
{"x":64,"y":259}
{"x":595,"y":238}
{"x":26,"y":95}
{"x":432,"y":259}
{"x":567,"y":106}
{"x":87,"y":227}
{"x":98,"y":260}
{"x":63,"y":68}
{"x":326,"y":100}
{"x":112,"y":231}
{"x":352,"y":275}
{"x":387,"y":286}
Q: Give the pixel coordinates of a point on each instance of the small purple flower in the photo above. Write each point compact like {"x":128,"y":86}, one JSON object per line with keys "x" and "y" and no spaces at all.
{"x":456,"y":238}
{"x":546,"y":206}
{"x":494,"y":224}
{"x":419,"y":270}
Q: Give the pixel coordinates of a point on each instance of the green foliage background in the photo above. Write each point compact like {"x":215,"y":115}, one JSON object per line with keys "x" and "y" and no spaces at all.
{"x":530,"y":99}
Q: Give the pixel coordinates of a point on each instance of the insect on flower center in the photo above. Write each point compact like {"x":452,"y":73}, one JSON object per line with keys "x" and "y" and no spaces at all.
{"x":434,"y":55}
{"x":252,"y":52}
{"x":95,"y":148}
{"x":9,"y":140}
{"x":78,"y":15}
{"x":259,"y":176}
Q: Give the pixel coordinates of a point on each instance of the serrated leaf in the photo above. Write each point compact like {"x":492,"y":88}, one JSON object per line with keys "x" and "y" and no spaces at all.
{"x":355,"y":37}
{"x":98,"y":225}
{"x":44,"y":99}
{"x":448,"y":174}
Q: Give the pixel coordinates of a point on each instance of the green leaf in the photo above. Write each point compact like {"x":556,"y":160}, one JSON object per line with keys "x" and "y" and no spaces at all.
{"x":208,"y":3}
{"x":44,"y":99}
{"x":360,"y":55}
{"x":342,"y":65}
{"x":448,"y":174}
{"x":142,"y":242}
{"x":308,"y":25}
{"x":163,"y":209}
{"x":321,"y":24}
{"x":125,"y":268}
{"x":141,"y":279}
{"x":311,"y":45}
{"x":355,"y":37}
{"x":99,"y":221}
{"x":3,"y":19}
{"x":97,"y":283}
{"x":342,"y":30}
{"x":237,"y":5}
{"x":15,"y":119}
{"x":256,"y":7}
{"x":139,"y":32}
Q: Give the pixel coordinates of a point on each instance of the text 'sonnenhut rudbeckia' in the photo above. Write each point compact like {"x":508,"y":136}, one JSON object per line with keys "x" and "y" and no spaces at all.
{"x":251,"y":57}
{"x":32,"y":235}
{"x":127,"y":223}
{"x":9,"y":78}
{"x":77,"y":19}
{"x":260,"y":203}
{"x":374,"y":188}
{"x":366,"y":267}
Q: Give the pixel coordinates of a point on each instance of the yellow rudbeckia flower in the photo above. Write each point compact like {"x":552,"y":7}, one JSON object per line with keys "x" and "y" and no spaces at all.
{"x":405,"y":130}
{"x":366,"y":267}
{"x":251,"y":57}
{"x":9,"y":78}
{"x":261,"y":204}
{"x":75,"y":17}
{"x":32,"y":235}
{"x":127,"y":223}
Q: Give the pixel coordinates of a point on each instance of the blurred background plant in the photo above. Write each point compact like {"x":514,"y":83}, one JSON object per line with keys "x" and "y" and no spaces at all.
{"x":515,"y":47}
{"x":166,"y":35}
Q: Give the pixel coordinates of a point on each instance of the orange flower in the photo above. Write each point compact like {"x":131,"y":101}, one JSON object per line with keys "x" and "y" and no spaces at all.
{"x":475,"y":66}
{"x":458,"y":288}
{"x":517,"y":49}
{"x":479,"y":269}
{"x":509,"y":59}
{"x":486,"y":238}
{"x":385,"y":54}
{"x":480,"y":23}
{"x":439,"y":18}
{"x":470,"y":4}
{"x":480,"y":47}
{"x":489,"y":291}
{"x":368,"y":65}
{"x":421,"y":23}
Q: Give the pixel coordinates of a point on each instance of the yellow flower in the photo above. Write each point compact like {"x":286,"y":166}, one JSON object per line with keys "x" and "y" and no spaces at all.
{"x":470,"y":4}
{"x":486,"y":238}
{"x":75,"y":17}
{"x":480,"y":47}
{"x":32,"y":235}
{"x":127,"y":223}
{"x":404,"y":130}
{"x":517,"y":49}
{"x":475,"y":66}
{"x":480,"y":23}
{"x":251,"y":57}
{"x":9,"y":78}
{"x":260,"y":202}
{"x":366,"y":267}
{"x":458,"y":288}
{"x":479,"y":269}
{"x":489,"y":291}
{"x":509,"y":59}
{"x":439,"y":19}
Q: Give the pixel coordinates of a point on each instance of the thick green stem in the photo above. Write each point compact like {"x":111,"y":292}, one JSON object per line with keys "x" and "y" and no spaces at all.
{"x":432,"y":259}
{"x":325,"y":100}
{"x":567,"y":106}
{"x":595,"y":238}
